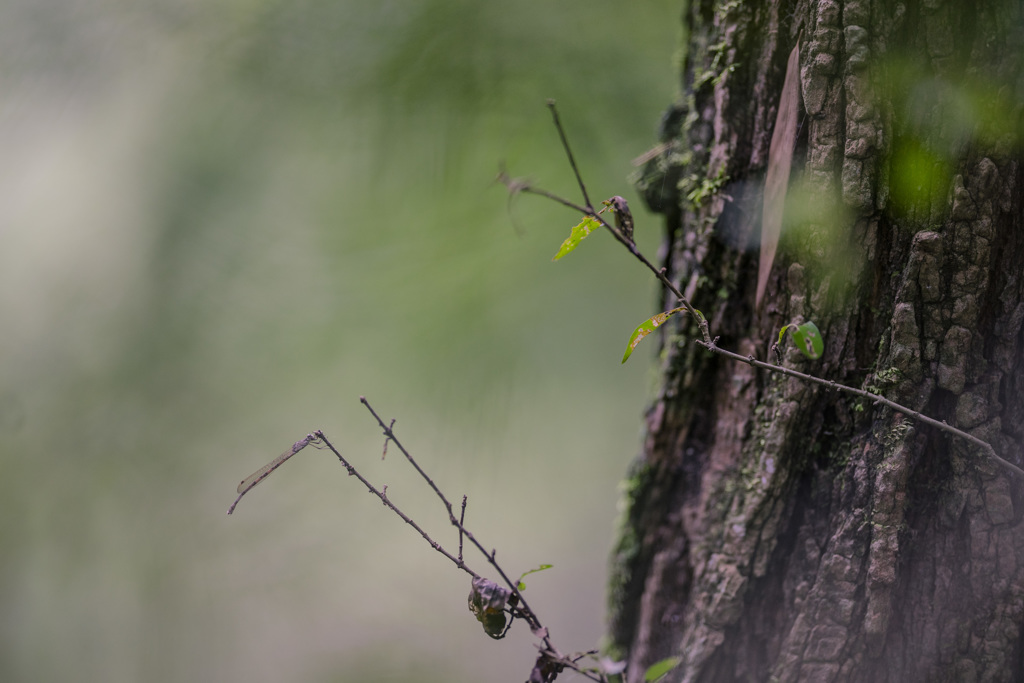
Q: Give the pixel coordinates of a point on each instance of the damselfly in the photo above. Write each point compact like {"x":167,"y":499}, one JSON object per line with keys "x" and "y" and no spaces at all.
{"x":262,"y":473}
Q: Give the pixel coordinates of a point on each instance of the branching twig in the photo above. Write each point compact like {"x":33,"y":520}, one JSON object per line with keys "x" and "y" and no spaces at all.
{"x":490,"y":555}
{"x":384,"y":454}
{"x":550,"y":661}
{"x":520,"y":185}
{"x":589,"y":210}
{"x":523,"y":608}
{"x":707,"y":342}
{"x":568,"y":153}
{"x":457,"y":561}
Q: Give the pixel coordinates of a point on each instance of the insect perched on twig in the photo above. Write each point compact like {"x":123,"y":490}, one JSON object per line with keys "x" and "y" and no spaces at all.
{"x":262,"y":473}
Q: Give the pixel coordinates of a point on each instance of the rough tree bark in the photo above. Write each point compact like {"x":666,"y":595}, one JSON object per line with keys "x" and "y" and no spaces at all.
{"x":778,"y":531}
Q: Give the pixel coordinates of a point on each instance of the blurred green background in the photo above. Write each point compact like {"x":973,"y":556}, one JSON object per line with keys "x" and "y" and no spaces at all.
{"x":222,"y":222}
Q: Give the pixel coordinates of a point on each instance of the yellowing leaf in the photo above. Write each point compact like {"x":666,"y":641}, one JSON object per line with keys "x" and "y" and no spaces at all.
{"x":646,"y":327}
{"x":579,"y":232}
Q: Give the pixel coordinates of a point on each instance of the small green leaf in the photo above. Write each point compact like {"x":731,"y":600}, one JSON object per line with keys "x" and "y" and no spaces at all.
{"x":522,"y":586}
{"x":808,"y":340}
{"x":645,"y":328}
{"x":579,"y":232}
{"x":659,"y":669}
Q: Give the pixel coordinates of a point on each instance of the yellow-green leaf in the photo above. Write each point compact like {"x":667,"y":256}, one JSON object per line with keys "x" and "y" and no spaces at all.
{"x":579,"y":232}
{"x":659,"y":669}
{"x":645,"y":328}
{"x":522,"y":586}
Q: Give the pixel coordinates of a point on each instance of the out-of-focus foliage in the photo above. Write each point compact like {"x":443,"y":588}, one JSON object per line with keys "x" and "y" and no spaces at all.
{"x":221,"y":222}
{"x":941,"y":117}
{"x":925,"y":118}
{"x":657,"y":670}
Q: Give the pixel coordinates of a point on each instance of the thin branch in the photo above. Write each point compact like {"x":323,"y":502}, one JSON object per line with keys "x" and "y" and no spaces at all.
{"x":707,"y":342}
{"x":528,"y":613}
{"x":386,"y":439}
{"x":589,"y":210}
{"x":568,"y":153}
{"x":523,"y":607}
{"x":457,"y":561}
{"x":875,"y":398}
{"x":518,"y":185}
{"x":462,"y":521}
{"x":391,"y":437}
{"x":518,"y":608}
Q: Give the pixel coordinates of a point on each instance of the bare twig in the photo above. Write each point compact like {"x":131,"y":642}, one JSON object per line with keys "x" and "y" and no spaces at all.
{"x":553,"y":661}
{"x":462,"y":521}
{"x":390,"y":435}
{"x":386,"y":439}
{"x":523,"y":608}
{"x":875,"y":398}
{"x":457,"y":561}
{"x":490,"y":555}
{"x":568,"y":153}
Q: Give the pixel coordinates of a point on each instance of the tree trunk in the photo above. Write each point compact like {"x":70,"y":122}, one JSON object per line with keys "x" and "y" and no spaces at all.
{"x":777,"y":530}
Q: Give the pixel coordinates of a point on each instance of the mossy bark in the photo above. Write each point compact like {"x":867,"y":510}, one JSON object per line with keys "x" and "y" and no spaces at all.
{"x":775,"y":530}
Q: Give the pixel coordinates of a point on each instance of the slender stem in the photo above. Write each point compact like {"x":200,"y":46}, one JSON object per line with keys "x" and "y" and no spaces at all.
{"x":750,"y":360}
{"x":707,"y":342}
{"x":462,"y":521}
{"x":391,"y":437}
{"x":521,"y":609}
{"x":529,"y":614}
{"x":457,"y":561}
{"x":568,"y":153}
{"x":629,"y":245}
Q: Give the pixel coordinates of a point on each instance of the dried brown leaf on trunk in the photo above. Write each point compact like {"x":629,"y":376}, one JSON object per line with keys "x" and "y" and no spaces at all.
{"x":780,"y":159}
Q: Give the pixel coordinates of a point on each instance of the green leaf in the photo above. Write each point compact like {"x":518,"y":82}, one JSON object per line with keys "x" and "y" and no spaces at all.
{"x":646,"y":327}
{"x":579,"y":232}
{"x":522,"y":586}
{"x":808,"y":340}
{"x":659,"y":669}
